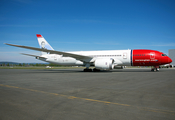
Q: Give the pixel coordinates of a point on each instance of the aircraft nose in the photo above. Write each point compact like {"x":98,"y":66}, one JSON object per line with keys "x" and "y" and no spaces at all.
{"x":169,"y":60}
{"x":166,"y":60}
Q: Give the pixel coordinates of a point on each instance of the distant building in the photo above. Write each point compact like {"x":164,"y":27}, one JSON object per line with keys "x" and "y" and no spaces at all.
{"x":171,"y":54}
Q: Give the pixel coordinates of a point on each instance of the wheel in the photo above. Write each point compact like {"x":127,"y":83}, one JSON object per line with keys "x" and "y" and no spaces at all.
{"x":96,"y":70}
{"x":87,"y":70}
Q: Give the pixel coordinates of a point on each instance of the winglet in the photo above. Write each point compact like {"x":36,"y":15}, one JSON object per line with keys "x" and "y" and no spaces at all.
{"x":38,"y":35}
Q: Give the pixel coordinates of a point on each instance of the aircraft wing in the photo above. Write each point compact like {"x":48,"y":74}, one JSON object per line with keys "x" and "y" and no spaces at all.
{"x":65,"y":54}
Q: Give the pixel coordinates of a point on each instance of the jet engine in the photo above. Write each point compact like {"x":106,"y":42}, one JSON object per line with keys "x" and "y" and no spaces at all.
{"x":104,"y":64}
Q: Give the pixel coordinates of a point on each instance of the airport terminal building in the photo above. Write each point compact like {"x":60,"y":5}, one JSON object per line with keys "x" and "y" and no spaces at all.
{"x":171,"y":54}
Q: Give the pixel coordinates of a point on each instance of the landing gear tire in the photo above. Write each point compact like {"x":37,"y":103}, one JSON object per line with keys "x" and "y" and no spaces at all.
{"x":87,"y":70}
{"x":155,"y":69}
{"x":96,"y":70}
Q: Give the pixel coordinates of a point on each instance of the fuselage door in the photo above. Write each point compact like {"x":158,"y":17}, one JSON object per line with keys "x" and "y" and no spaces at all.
{"x":55,"y":57}
{"x":124,"y":55}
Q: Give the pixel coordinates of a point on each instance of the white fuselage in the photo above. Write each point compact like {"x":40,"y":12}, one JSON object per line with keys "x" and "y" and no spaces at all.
{"x":121,"y":57}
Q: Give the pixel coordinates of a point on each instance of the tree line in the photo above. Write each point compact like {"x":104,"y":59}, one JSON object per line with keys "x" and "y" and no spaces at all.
{"x":31,"y":64}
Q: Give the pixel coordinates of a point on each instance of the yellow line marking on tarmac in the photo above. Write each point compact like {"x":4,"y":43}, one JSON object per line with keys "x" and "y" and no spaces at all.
{"x":93,"y":100}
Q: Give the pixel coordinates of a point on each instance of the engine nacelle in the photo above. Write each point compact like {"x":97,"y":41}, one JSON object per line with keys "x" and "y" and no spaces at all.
{"x":104,"y":64}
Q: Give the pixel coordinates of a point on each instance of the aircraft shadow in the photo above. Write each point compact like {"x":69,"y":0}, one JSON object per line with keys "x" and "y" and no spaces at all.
{"x":81,"y":71}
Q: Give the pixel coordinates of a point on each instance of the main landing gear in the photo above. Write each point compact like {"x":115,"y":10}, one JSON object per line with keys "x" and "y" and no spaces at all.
{"x":87,"y":70}
{"x":91,"y":70}
{"x":96,"y":70}
{"x":155,"y":68}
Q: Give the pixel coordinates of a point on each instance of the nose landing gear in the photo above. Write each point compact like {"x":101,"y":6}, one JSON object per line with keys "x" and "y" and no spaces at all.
{"x":155,"y":68}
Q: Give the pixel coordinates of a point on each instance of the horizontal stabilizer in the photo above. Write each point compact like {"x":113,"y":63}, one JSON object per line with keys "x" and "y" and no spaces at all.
{"x":30,"y":55}
{"x":36,"y":56}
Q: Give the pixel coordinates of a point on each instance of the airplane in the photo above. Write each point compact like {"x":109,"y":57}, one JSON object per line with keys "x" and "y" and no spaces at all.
{"x":101,"y":60}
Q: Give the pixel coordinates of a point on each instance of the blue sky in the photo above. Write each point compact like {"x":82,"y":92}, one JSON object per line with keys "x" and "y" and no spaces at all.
{"x":82,"y":25}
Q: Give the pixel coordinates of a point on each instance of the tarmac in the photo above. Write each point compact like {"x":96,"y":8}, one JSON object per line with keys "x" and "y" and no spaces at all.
{"x":70,"y":94}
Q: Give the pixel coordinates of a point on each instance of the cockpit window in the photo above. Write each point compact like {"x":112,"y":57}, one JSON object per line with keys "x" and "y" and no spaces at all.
{"x":164,"y":55}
